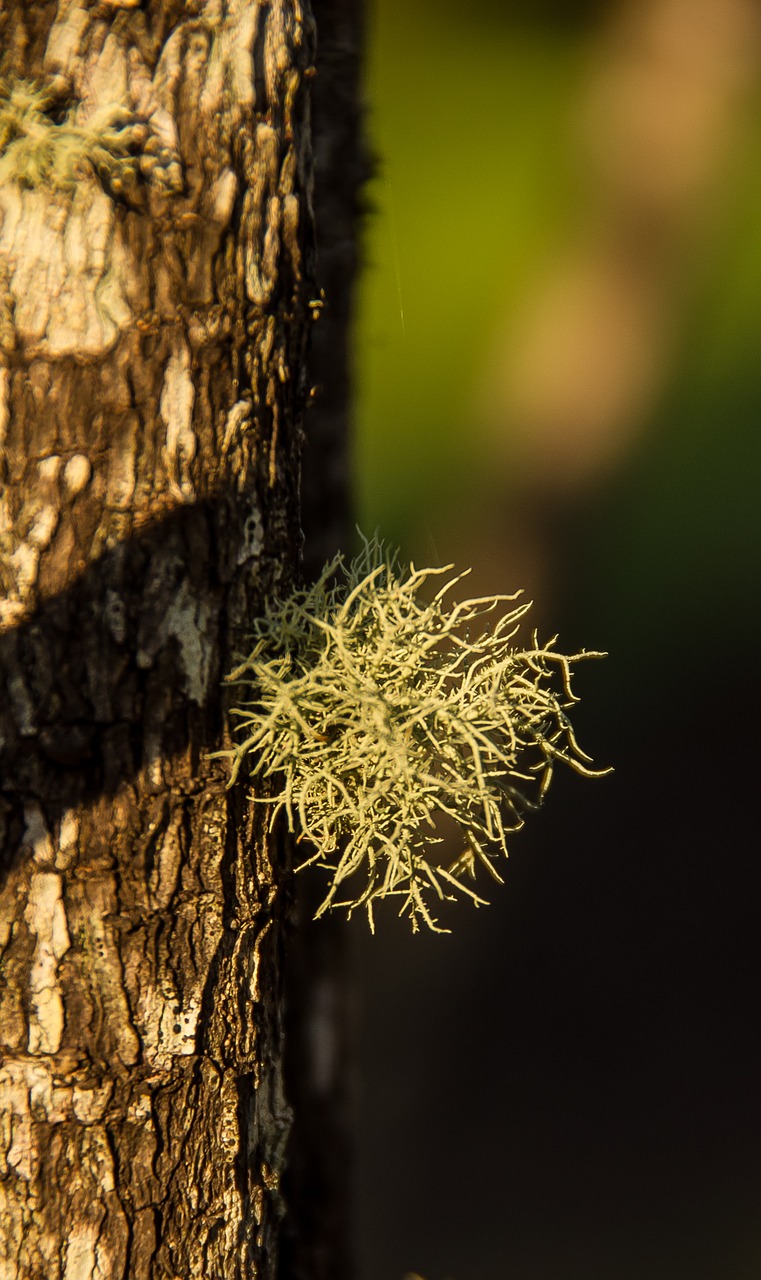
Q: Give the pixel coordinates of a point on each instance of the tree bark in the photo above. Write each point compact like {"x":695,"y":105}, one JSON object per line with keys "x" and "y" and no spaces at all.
{"x":152,"y":386}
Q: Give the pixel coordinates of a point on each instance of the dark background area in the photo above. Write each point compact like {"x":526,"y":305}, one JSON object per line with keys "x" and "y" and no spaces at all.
{"x":559,"y":383}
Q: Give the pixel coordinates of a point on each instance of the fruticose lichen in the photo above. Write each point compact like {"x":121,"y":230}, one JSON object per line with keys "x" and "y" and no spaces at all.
{"x":40,"y":146}
{"x":376,"y":708}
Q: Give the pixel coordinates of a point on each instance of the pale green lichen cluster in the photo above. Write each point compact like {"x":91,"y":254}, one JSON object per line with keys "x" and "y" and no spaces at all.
{"x":376,"y":707}
{"x":40,"y":151}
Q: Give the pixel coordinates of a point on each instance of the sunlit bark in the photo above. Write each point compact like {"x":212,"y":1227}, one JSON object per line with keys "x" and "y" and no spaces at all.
{"x":152,"y":339}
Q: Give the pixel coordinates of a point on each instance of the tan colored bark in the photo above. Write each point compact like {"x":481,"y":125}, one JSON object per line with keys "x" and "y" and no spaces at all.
{"x":151,"y":394}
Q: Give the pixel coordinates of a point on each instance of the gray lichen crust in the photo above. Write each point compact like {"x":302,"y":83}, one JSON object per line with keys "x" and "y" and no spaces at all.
{"x":377,"y":711}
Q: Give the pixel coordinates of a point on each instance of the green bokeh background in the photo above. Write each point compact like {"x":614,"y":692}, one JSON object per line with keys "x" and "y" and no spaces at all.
{"x":644,"y":892}
{"x":468,"y":117}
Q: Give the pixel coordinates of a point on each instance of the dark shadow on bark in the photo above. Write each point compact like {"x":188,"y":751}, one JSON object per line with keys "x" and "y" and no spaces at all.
{"x":93,"y":683}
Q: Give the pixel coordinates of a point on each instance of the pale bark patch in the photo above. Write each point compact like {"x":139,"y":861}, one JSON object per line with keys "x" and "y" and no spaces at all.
{"x":49,"y":468}
{"x":41,"y":532}
{"x":89,"y":1105}
{"x":80,"y":1253}
{"x":107,"y":81}
{"x":46,"y":918}
{"x":71,"y":280}
{"x":168,"y":1028}
{"x":238,"y":418}
{"x":68,"y":840}
{"x":65,"y":39}
{"x":16,"y":1151}
{"x":5,"y":381}
{"x":191,"y":621}
{"x":24,"y":563}
{"x":176,"y":409}
{"x":76,"y":476}
{"x":32,"y":1090}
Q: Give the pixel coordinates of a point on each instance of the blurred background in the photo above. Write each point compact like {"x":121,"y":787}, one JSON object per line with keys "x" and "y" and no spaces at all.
{"x":558,"y":382}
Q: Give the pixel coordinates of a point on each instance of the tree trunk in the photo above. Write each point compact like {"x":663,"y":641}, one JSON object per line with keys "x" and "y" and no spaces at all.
{"x":153,"y":320}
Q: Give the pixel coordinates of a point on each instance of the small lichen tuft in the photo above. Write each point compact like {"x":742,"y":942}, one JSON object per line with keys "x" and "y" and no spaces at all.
{"x":40,"y":150}
{"x":377,"y":708}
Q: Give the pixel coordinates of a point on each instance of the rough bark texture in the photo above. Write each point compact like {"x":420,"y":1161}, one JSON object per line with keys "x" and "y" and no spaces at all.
{"x":151,"y":392}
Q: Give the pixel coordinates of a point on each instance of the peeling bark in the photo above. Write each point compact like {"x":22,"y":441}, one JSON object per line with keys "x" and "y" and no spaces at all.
{"x":152,"y":387}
